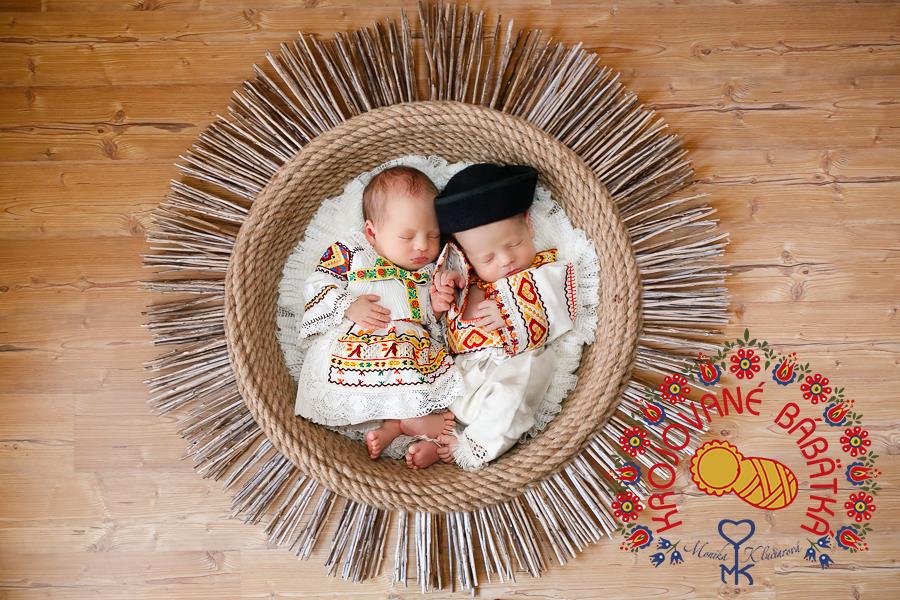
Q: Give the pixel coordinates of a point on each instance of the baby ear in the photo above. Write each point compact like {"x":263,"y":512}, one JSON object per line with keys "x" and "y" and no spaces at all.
{"x":529,"y":222}
{"x":369,"y":231}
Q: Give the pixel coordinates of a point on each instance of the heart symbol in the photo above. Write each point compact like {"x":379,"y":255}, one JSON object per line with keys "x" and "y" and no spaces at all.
{"x":736,"y":528}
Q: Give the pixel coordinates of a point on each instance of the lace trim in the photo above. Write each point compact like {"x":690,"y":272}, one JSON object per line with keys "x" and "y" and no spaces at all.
{"x":468,"y":455}
{"x":338,"y":407}
{"x":328,"y":321}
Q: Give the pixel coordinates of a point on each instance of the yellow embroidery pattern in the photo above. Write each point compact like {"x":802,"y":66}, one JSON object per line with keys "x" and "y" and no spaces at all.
{"x":541,"y":258}
{"x":336,"y":260}
{"x":531,"y":308}
{"x":465,"y":337}
{"x":384,"y":269}
{"x":389,"y":359}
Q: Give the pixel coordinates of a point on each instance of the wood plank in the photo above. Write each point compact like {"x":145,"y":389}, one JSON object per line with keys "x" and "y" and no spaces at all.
{"x":21,"y":5}
{"x":115,"y":495}
{"x":145,"y":533}
{"x":131,"y":139}
{"x":118,"y":105}
{"x":812,"y":282}
{"x":113,"y":199}
{"x":38,"y":62}
{"x":37,"y":433}
{"x":68,"y":142}
{"x":140,"y":63}
{"x":757,"y":198}
{"x":122,"y":574}
{"x":192,"y":5}
{"x":118,"y":431}
{"x":180,"y":103}
{"x":761,"y":23}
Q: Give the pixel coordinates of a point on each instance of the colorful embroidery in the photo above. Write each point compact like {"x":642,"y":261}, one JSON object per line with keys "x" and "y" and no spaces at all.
{"x":384,"y":269}
{"x":570,"y":291}
{"x":336,"y":260}
{"x":369,"y":360}
{"x":464,"y":336}
{"x":540,"y":259}
{"x":508,"y":332}
{"x":531,"y":308}
{"x":526,"y":318}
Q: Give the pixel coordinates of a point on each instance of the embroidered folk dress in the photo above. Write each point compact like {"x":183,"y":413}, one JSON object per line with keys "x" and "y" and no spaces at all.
{"x":507,"y":372}
{"x":354,"y":375}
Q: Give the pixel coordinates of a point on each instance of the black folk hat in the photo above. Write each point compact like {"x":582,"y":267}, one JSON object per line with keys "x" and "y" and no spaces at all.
{"x":485,"y":193}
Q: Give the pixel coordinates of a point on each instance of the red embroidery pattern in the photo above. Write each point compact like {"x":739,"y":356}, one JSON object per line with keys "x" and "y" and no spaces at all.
{"x":336,"y":260}
{"x":464,"y":336}
{"x":531,"y":308}
{"x":396,"y":358}
{"x":570,"y":291}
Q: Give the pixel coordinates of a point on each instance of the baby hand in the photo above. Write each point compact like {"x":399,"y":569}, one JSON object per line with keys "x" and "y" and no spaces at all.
{"x":366,"y":313}
{"x":488,"y":314}
{"x":442,"y":290}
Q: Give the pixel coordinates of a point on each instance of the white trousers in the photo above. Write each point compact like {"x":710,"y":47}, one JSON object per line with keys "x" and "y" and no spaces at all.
{"x":501,"y":395}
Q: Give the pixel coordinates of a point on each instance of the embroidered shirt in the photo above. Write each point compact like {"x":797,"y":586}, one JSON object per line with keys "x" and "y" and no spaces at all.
{"x":537,"y":305}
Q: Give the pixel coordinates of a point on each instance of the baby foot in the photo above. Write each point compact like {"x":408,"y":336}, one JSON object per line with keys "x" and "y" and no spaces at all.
{"x":421,"y":454}
{"x":449,"y":423}
{"x":379,"y":439}
{"x":431,"y":425}
{"x":448,"y":445}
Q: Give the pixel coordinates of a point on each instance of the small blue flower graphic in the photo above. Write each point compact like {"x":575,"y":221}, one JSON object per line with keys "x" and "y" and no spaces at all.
{"x":676,"y":558}
{"x":664,"y":544}
{"x":657,"y":559}
{"x":824,"y":542}
{"x":810,"y":554}
{"x":825,"y":561}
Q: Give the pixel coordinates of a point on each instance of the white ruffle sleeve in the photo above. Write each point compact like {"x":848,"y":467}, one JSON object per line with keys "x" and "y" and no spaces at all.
{"x":325,"y":293}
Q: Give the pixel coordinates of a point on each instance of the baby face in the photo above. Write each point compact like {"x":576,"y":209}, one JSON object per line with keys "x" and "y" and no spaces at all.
{"x":499,"y":249}
{"x":406,"y":232}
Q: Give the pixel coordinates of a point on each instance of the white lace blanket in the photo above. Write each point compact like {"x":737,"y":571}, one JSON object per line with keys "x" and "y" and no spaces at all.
{"x":338,"y":217}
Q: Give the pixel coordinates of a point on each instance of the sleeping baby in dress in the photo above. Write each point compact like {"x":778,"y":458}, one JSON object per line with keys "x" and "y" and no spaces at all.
{"x":513,"y":301}
{"x":369,"y":329}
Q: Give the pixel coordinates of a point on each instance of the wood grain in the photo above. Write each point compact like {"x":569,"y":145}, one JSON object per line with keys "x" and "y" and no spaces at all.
{"x":790,"y":110}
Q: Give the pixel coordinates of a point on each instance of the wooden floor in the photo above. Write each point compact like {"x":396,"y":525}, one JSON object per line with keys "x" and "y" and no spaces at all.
{"x":791,"y":111}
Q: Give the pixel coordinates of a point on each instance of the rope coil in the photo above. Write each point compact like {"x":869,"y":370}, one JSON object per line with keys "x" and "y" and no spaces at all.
{"x":278,"y":216}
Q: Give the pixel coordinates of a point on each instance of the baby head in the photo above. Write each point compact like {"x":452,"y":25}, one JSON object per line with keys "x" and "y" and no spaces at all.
{"x":485,"y":208}
{"x":499,"y":249}
{"x":401,"y":224}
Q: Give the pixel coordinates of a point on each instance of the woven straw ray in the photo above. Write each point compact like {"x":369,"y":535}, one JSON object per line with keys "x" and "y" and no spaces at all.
{"x":279,"y":215}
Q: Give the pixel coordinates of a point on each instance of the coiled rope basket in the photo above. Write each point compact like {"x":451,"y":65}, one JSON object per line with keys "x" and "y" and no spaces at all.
{"x":324,"y":113}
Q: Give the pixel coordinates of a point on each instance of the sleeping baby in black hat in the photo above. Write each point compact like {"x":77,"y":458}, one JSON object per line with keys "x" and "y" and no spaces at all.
{"x":502,"y":302}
